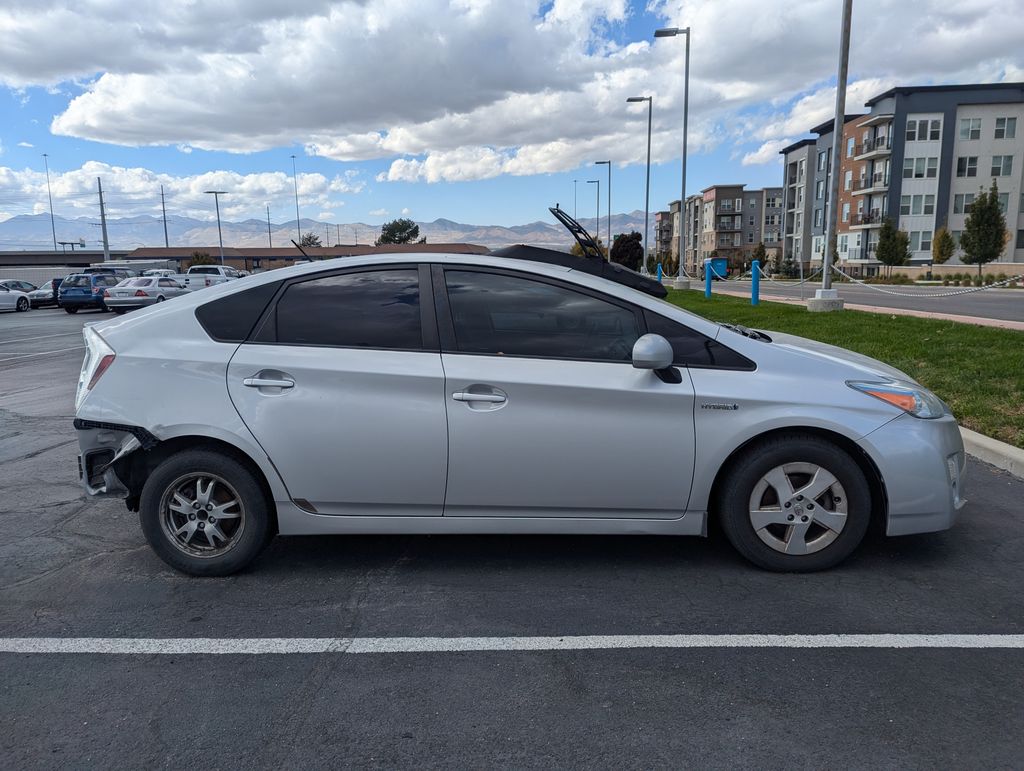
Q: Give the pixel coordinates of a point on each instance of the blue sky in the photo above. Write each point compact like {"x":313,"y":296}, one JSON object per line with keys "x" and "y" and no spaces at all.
{"x":474,"y":110}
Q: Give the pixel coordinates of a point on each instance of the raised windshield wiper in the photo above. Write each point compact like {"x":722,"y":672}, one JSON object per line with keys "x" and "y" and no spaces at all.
{"x":748,"y":332}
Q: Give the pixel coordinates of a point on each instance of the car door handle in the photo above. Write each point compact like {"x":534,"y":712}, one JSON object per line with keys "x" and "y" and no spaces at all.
{"x":265,"y":382}
{"x":467,"y":396}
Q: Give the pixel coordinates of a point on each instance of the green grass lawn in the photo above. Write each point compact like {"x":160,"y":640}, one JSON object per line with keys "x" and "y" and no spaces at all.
{"x":977,"y":371}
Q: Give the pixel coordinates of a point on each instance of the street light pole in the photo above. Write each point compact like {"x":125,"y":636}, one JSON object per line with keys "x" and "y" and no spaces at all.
{"x":827,"y":298}
{"x":682,"y":282}
{"x":597,"y":208}
{"x":608,"y":195}
{"x":216,"y":200}
{"x":574,"y":215}
{"x":295,"y":181}
{"x":647,"y":193}
{"x":49,"y":195}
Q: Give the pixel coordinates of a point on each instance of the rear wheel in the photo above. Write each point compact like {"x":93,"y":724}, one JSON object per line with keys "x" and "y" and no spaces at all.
{"x":69,"y":309}
{"x":118,"y":311}
{"x":204,"y":513}
{"x":795,"y":503}
{"x":22,"y":304}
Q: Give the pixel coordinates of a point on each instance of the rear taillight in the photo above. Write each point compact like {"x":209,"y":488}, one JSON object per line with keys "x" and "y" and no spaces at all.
{"x":98,"y":358}
{"x":106,"y":293}
{"x":140,"y":293}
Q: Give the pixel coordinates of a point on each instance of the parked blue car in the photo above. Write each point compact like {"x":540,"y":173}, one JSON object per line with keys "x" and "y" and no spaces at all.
{"x":85,"y":290}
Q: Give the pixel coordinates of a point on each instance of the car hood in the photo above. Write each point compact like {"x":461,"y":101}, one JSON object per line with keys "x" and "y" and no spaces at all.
{"x":865,"y":364}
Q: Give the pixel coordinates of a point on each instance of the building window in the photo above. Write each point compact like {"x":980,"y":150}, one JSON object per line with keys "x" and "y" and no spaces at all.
{"x":929,"y":204}
{"x":966,"y":166}
{"x":850,"y":144}
{"x":819,"y":189}
{"x":933,"y":168}
{"x":817,"y":218}
{"x":926,"y":240}
{"x":1006,"y":128}
{"x":1004,"y":202}
{"x":970,"y":128}
{"x":962,"y":203}
{"x":935,"y":131}
{"x":915,"y":240}
{"x":848,"y":180}
{"x":956,"y":237}
{"x":915,"y":204}
{"x":904,"y":204}
{"x":1020,"y":240}
{"x":908,"y":168}
{"x":750,"y":237}
{"x":1002,"y":165}
{"x":923,"y":130}
{"x":846,"y":212}
{"x":822,"y":160}
{"x":912,"y":130}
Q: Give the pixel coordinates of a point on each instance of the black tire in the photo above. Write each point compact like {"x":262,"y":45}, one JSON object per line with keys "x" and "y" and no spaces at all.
{"x":759,"y":460}
{"x":118,"y":311}
{"x":256,"y":529}
{"x":69,"y":309}
{"x":22,"y":304}
{"x":160,"y":299}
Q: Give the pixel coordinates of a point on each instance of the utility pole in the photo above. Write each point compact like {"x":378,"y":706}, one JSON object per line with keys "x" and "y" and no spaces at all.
{"x":163,"y":207}
{"x":608,"y":195}
{"x":216,"y":200}
{"x":295,"y":181}
{"x":103,"y":221}
{"x":827,"y":298}
{"x":53,"y":227}
{"x":574,"y":215}
{"x":270,"y":239}
{"x":597,"y":226}
{"x":647,"y":194}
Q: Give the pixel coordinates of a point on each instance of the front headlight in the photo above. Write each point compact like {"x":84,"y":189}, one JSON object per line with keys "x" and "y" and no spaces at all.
{"x":912,"y":399}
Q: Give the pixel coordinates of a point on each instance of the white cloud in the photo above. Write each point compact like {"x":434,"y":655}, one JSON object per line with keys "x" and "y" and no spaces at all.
{"x":378,"y":212}
{"x":25,"y":144}
{"x":406,"y":211}
{"x":470,"y":89}
{"x":766,"y":153}
{"x":183,"y":148}
{"x":130,"y":191}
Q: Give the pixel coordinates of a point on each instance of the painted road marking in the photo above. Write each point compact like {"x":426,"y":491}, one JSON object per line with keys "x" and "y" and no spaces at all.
{"x":40,"y":337}
{"x":319,"y":645}
{"x":42,"y":353}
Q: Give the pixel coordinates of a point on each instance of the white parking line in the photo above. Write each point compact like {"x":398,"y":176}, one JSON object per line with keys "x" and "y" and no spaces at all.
{"x":42,"y":353}
{"x":319,"y":645}
{"x":40,"y":337}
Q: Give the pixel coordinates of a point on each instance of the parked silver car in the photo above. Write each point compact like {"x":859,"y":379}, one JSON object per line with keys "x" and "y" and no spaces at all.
{"x":140,"y":292}
{"x":422,"y":393}
{"x":13,"y":300}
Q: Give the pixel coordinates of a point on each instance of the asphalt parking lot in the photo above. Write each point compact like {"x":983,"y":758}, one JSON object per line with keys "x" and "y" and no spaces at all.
{"x":71,"y":568}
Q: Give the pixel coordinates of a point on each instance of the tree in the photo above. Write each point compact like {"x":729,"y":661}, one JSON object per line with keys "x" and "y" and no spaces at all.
{"x":201,"y":258}
{"x":578,"y":250}
{"x":760,"y":254}
{"x":985,"y":234}
{"x":400,"y":231}
{"x":628,"y":250}
{"x":310,"y":239}
{"x":893,"y":246}
{"x":943,"y":246}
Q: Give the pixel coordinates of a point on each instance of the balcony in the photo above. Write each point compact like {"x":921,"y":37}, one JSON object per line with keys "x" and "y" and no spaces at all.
{"x":729,"y":225}
{"x":877,"y":182}
{"x":871,"y":219}
{"x":873,"y":148}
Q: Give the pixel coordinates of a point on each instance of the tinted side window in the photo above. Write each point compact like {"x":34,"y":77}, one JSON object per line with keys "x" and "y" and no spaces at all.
{"x":692,"y":349}
{"x":508,"y":315}
{"x":372,"y":309}
{"x":230,"y":319}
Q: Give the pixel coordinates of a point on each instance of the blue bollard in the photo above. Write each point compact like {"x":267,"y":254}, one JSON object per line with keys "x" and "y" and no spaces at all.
{"x":659,"y":272}
{"x":707,"y":278}
{"x":755,"y":282}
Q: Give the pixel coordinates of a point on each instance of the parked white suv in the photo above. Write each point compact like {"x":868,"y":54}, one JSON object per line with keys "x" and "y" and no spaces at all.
{"x":476,"y":394}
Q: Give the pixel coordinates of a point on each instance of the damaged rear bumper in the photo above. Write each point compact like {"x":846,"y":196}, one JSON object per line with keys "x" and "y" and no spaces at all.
{"x":102,"y":447}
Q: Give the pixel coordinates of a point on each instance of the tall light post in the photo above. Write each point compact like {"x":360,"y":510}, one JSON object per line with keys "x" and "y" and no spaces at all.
{"x":597,"y":208}
{"x":827,"y":298}
{"x":216,"y":201}
{"x":574,"y":215}
{"x":608,"y":195}
{"x":682,"y":282}
{"x":295,"y":181}
{"x":49,"y":195}
{"x":647,"y":194}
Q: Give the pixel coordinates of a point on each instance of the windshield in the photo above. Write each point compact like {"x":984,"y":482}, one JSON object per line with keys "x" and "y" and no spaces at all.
{"x":136,"y":282}
{"x":212,"y":271}
{"x":77,"y":281}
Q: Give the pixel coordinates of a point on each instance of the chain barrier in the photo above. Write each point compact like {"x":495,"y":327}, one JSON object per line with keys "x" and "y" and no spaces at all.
{"x":952,"y":293}
{"x":766,"y":277}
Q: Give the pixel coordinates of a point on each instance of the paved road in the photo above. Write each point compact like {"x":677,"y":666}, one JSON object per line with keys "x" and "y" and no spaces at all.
{"x":1006,"y":304}
{"x":72,"y":568}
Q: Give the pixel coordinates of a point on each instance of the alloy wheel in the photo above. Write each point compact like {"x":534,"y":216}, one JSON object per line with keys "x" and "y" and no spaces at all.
{"x":202,"y":514}
{"x":798,"y":508}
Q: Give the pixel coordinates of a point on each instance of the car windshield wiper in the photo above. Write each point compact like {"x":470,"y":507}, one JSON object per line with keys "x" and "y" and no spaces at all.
{"x":747,"y":332}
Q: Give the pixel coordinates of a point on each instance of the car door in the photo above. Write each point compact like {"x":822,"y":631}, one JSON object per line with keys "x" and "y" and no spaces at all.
{"x":546,"y":415}
{"x":342,"y":386}
{"x":7,"y":298}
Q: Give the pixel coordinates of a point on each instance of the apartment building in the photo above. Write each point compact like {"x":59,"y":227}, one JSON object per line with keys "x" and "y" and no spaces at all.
{"x":797,"y":204}
{"x":919,"y":157}
{"x":731,"y":221}
{"x":663,"y":232}
{"x":694,"y":214}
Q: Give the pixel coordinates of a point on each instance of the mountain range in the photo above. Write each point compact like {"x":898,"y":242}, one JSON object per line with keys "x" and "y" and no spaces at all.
{"x":32,"y":231}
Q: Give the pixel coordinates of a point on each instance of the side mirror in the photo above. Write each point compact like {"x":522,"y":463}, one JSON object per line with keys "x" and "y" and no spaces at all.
{"x":652,"y":352}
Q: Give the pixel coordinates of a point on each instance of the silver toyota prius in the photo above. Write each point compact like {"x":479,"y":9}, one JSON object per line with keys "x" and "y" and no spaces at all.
{"x":430,"y":393}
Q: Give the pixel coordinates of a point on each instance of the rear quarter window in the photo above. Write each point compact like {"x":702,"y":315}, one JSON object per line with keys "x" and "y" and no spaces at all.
{"x":230,"y":319}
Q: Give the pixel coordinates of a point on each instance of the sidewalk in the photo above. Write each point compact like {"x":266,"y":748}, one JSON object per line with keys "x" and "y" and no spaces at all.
{"x":978,"y":320}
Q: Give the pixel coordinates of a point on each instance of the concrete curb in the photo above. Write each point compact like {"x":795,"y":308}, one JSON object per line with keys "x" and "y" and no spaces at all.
{"x":999,"y":454}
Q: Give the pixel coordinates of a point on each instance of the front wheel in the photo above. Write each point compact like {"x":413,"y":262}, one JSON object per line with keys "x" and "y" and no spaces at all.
{"x":795,"y":503}
{"x":204,"y":513}
{"x":68,"y":309}
{"x":22,"y":304}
